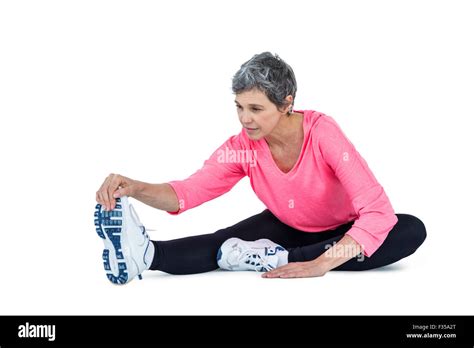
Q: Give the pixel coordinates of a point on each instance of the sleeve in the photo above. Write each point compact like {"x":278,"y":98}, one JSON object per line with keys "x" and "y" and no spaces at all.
{"x":376,"y":216}
{"x":219,"y":173}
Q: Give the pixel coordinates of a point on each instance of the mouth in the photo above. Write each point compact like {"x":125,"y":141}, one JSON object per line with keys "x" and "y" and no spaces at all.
{"x":250,"y":129}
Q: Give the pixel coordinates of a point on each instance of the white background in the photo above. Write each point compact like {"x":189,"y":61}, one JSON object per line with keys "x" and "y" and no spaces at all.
{"x":143,"y":89}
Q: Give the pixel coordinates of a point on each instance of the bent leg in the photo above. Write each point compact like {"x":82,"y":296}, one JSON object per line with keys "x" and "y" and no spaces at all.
{"x":197,"y":254}
{"x":405,"y":237}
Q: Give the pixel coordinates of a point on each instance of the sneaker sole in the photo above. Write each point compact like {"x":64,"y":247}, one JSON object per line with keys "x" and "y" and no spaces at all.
{"x":108,"y":225}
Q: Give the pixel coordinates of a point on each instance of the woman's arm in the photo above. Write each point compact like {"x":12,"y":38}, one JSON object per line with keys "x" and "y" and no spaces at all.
{"x":216,"y":177}
{"x":160,"y":196}
{"x":376,"y":216}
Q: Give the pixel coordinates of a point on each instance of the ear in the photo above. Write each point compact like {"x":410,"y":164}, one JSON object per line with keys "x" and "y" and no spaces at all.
{"x":289,"y":100}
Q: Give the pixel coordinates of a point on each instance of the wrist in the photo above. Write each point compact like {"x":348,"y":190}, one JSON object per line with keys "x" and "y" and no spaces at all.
{"x":330,"y":259}
{"x":322,"y":262}
{"x":138,"y":190}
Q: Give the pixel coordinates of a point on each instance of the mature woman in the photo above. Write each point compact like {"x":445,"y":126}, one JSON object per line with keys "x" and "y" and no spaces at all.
{"x":325,"y":209}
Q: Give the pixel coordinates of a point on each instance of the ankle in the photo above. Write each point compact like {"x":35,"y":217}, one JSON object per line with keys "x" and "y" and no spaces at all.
{"x":282,"y":257}
{"x":154,"y":263}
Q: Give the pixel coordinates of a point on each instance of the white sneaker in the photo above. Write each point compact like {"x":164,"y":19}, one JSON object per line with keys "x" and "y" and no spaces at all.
{"x":238,"y":255}
{"x":128,"y":250}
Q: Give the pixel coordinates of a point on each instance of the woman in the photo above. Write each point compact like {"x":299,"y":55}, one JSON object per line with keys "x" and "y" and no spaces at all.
{"x":325,"y":209}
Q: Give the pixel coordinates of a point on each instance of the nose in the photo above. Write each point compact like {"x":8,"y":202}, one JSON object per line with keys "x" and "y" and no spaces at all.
{"x":245,"y":118}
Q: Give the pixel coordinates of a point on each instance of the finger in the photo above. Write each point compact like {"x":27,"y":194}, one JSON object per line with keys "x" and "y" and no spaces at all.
{"x":99,"y":194}
{"x":119,"y":193}
{"x":98,"y":198}
{"x":272,"y":274}
{"x":278,"y":272}
{"x":291,"y":275}
{"x":102,"y":201}
{"x":122,"y":191}
{"x":105,"y":192}
{"x":114,"y":185}
{"x":284,"y":268}
{"x":116,"y":190}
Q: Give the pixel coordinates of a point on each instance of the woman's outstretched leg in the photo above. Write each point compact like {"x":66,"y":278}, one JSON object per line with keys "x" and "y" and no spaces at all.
{"x":405,"y":237}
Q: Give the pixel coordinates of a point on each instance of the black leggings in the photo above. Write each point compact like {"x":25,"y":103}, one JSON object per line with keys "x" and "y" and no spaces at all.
{"x":197,"y":254}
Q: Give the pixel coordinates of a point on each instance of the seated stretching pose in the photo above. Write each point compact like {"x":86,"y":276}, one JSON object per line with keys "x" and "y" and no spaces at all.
{"x":325,"y":209}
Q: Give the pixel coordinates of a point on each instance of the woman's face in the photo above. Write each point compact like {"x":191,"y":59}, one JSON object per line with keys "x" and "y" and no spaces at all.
{"x":257,"y":114}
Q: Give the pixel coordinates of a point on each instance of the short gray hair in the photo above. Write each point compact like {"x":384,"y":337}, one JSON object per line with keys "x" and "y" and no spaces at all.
{"x":269,"y":74}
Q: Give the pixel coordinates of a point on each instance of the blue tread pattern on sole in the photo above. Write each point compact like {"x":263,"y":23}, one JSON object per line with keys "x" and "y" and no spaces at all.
{"x":114,"y":234}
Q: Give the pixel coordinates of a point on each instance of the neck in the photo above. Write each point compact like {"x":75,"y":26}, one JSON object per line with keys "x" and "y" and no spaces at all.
{"x":287,"y":131}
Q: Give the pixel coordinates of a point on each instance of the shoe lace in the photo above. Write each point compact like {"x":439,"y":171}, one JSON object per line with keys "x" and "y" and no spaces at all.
{"x":260,"y":263}
{"x":136,"y":219}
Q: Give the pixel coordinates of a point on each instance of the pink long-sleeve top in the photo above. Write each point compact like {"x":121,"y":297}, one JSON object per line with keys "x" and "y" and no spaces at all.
{"x":330,"y":184}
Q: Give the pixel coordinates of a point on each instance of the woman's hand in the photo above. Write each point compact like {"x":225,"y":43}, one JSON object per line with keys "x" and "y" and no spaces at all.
{"x":318,"y":267}
{"x":297,"y":270}
{"x":115,"y":186}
